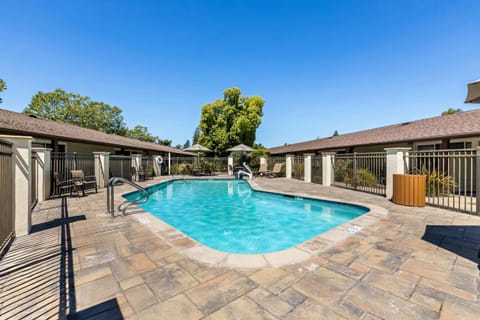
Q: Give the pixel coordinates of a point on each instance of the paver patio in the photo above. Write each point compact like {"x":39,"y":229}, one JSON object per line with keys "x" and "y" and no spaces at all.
{"x":413,"y":263}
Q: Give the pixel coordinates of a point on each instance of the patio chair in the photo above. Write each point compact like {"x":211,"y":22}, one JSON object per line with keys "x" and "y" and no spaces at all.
{"x":262,"y":170}
{"x":83,"y":182}
{"x":276,"y":171}
{"x":146,"y":174}
{"x":62,"y":186}
{"x":137,"y":175}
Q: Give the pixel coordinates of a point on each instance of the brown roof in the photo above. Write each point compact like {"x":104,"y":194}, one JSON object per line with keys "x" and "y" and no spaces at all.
{"x":459,"y":124}
{"x":22,"y":124}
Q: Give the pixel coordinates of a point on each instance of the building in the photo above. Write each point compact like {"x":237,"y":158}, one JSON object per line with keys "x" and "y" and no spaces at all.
{"x":64,"y":137}
{"x":455,"y":131}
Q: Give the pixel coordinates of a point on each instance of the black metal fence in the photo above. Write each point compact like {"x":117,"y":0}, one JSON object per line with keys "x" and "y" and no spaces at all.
{"x":451,"y":177}
{"x":317,"y":167}
{"x":361,"y":171}
{"x":121,"y":166}
{"x":298,"y":167}
{"x":7,"y":228}
{"x":62,"y":163}
{"x":197,"y":166}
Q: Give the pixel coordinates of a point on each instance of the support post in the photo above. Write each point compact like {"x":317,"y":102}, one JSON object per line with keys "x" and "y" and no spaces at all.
{"x":327,"y":168}
{"x":169,"y":163}
{"x":307,"y":167}
{"x":395,"y":165}
{"x":156,"y":167}
{"x":102,"y":168}
{"x":44,"y":173}
{"x":288,"y":166}
{"x":230,"y":165}
{"x":22,"y":178}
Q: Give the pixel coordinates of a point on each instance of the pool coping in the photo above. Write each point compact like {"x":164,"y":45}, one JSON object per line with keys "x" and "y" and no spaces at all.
{"x":296,"y":254}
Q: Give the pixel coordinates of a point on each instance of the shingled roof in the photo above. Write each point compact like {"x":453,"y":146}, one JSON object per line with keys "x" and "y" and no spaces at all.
{"x":22,"y":124}
{"x":461,"y":124}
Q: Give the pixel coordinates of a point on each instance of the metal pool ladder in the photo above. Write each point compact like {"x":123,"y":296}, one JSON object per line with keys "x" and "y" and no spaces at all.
{"x":142,"y":196}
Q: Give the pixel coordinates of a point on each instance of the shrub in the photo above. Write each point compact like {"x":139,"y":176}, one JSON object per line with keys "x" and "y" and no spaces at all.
{"x":365,"y":178}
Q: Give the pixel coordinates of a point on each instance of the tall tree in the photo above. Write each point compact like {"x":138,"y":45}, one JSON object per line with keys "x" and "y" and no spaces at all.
{"x":335,"y":133}
{"x":196,"y":135}
{"x":80,"y":110}
{"x":3,"y":87}
{"x":451,"y":111}
{"x":141,"y":133}
{"x":186,"y":144}
{"x":231,"y":121}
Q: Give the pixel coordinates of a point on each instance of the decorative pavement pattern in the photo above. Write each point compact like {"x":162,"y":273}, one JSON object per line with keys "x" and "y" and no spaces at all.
{"x":80,"y":263}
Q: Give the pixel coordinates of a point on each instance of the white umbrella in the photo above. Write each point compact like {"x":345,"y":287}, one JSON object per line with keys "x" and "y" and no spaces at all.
{"x":197,"y":148}
{"x":241,"y":147}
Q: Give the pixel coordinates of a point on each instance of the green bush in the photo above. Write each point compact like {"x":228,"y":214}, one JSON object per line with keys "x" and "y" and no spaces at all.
{"x":341,"y":170}
{"x":438,"y":183}
{"x":365,"y":178}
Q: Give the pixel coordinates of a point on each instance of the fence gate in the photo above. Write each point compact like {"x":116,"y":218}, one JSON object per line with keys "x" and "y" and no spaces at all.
{"x":451,"y":177}
{"x":7,"y":228}
{"x":361,"y":171}
{"x":317,"y":168}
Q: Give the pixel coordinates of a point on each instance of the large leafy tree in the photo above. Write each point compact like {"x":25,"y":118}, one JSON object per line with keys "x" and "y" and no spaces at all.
{"x":3,"y":87}
{"x":141,"y":133}
{"x":231,"y":121}
{"x":80,"y":110}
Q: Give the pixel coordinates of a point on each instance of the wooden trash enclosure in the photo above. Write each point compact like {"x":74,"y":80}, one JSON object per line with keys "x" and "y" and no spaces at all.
{"x":409,"y":189}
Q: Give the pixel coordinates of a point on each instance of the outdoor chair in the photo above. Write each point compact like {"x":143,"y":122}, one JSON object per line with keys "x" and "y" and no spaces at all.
{"x":262,"y":170}
{"x":276,"y":171}
{"x":139,"y":175}
{"x":146,"y":173}
{"x":83,"y":182}
{"x":62,"y":186}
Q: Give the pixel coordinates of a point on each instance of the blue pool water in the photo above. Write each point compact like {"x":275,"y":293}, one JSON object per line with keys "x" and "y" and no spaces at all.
{"x":228,"y":215}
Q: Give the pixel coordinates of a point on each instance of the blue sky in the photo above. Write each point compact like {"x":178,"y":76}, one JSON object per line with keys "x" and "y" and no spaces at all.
{"x":321,"y":66}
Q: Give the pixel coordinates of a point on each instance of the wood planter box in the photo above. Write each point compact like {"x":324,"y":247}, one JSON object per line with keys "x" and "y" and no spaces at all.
{"x":409,"y":189}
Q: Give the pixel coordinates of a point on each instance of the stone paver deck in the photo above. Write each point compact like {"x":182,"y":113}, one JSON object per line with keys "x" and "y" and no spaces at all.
{"x":403,"y":263}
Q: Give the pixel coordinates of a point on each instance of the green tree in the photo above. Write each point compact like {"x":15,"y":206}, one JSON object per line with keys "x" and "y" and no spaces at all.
{"x":231,"y":121}
{"x":196,"y":135}
{"x":335,"y":133}
{"x":3,"y":87}
{"x":186,"y":144}
{"x":80,"y":110}
{"x":141,"y":133}
{"x":451,"y":111}
{"x":164,"y":142}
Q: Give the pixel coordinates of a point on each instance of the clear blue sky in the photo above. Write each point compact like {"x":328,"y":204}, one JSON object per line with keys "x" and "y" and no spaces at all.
{"x":321,"y":66}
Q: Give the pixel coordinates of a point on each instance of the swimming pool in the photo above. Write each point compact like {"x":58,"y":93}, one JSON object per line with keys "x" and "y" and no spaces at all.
{"x":229,"y":216}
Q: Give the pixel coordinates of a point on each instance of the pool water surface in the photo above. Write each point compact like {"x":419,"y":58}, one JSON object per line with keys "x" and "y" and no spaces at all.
{"x":229,"y":216}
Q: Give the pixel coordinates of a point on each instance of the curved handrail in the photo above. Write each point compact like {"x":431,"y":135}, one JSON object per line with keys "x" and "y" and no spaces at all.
{"x":142,"y":197}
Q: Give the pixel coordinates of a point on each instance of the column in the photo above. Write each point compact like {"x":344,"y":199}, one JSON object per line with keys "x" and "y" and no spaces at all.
{"x":102,"y":168}
{"x":395,"y":165}
{"x":288,"y":165}
{"x":307,"y":167}
{"x":44,"y":173}
{"x":156,"y":167}
{"x":22,"y":177}
{"x":327,"y":168}
{"x":230,"y":165}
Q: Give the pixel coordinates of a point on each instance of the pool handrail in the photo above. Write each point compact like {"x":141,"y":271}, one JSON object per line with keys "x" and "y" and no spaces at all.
{"x":142,"y":196}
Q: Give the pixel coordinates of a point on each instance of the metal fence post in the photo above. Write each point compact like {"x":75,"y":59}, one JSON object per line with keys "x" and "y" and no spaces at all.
{"x":354,"y":171}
